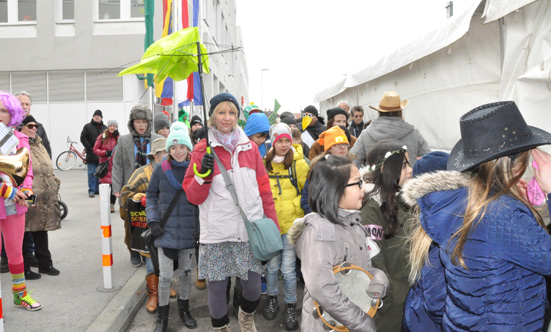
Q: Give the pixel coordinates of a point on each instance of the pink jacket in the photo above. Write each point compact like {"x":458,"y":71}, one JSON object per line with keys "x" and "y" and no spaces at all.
{"x":100,"y":148}
{"x":27,"y":183}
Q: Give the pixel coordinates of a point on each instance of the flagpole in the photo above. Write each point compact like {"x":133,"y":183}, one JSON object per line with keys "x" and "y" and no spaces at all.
{"x":174,"y":88}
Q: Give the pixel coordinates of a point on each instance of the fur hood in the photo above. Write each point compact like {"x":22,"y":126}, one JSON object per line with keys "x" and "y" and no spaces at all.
{"x":140,"y":112}
{"x":296,"y":230}
{"x":431,"y":182}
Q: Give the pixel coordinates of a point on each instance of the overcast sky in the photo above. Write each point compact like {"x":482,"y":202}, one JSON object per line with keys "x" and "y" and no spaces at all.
{"x":308,"y":45}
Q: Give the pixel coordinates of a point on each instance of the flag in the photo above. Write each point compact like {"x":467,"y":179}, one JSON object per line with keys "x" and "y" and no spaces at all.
{"x":193,"y":82}
{"x":273,"y":117}
{"x":149,"y":14}
{"x":164,"y":88}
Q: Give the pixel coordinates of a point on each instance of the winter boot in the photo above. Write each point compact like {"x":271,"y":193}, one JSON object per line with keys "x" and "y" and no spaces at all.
{"x":185,"y":315}
{"x":246,"y":321}
{"x":153,"y":292}
{"x":291,"y":319}
{"x":225,"y":328}
{"x":271,"y":308}
{"x":162,"y":318}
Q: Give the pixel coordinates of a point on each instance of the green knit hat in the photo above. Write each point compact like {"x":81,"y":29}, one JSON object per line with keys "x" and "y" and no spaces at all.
{"x":178,"y":135}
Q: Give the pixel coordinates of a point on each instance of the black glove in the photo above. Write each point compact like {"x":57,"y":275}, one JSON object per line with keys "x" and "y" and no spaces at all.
{"x":156,"y":229}
{"x":108,"y":153}
{"x":207,"y":163}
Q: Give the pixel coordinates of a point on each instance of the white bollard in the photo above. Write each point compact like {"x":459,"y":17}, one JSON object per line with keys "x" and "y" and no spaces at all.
{"x":106,"y":243}
{"x":1,"y":313}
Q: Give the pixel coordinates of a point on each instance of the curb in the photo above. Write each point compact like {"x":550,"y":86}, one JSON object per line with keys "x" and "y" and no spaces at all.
{"x":118,"y":314}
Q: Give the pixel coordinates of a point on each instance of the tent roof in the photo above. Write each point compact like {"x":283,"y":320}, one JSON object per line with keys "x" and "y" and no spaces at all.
{"x":453,"y":29}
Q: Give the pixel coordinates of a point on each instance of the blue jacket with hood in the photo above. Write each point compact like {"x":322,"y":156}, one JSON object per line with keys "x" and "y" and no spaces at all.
{"x":507,"y":254}
{"x":259,"y":123}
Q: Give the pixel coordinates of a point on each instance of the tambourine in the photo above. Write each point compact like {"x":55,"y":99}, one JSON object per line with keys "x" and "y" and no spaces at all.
{"x":353,"y":282}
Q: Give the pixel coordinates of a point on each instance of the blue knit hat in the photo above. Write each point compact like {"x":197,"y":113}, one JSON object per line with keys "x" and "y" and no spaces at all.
{"x":179,"y":134}
{"x":224,"y":96}
{"x":257,"y":123}
{"x":431,"y":162}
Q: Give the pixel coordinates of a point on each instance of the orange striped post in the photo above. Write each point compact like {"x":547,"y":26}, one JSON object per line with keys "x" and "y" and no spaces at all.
{"x":1,"y":313}
{"x":106,"y":242}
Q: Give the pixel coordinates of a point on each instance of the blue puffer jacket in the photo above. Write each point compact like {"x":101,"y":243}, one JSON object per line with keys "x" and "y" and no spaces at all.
{"x":507,"y":255}
{"x":179,"y":230}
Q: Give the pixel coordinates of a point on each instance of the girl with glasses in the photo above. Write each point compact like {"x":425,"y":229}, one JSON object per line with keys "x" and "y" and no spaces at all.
{"x":330,"y":236}
{"x":384,"y":216}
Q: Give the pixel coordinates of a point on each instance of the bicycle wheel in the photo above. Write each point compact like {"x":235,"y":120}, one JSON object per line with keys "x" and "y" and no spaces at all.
{"x":63,"y":209}
{"x":66,"y":160}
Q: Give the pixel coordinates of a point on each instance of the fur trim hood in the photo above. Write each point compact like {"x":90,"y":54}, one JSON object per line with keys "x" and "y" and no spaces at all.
{"x":296,"y":230}
{"x":431,"y":182}
{"x":140,"y":112}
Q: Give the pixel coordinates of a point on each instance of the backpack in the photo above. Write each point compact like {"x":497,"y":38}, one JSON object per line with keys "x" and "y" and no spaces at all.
{"x":291,"y":176}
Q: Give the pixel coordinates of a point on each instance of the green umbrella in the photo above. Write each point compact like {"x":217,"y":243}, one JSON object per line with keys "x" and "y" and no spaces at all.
{"x":174,"y":56}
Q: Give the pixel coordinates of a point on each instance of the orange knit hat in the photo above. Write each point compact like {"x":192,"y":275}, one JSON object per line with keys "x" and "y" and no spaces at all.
{"x":332,"y":136}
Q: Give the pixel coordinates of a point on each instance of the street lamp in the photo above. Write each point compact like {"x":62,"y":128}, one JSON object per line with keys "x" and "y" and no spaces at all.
{"x":262,"y":86}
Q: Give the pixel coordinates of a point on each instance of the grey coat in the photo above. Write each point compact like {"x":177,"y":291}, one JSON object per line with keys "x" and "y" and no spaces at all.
{"x":321,"y":245}
{"x":390,"y":128}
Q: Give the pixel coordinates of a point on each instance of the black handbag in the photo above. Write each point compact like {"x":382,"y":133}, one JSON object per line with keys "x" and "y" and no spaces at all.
{"x":101,"y":169}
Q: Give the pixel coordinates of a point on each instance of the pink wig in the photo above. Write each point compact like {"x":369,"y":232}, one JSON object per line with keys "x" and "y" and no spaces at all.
{"x":12,"y":104}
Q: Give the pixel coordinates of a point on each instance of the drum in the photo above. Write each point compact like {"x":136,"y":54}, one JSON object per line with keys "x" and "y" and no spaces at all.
{"x":353,"y":282}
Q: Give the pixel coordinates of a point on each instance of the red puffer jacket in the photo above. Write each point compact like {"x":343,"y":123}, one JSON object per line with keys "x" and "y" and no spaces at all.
{"x":106,"y":142}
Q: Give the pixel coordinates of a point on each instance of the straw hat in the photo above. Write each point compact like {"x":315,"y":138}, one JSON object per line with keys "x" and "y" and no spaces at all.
{"x":390,"y":102}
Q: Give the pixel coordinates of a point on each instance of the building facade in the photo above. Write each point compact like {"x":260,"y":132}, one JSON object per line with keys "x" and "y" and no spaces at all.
{"x":67,"y":55}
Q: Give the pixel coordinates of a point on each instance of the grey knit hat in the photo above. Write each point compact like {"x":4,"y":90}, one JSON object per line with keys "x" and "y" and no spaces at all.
{"x":160,"y":121}
{"x":112,"y":122}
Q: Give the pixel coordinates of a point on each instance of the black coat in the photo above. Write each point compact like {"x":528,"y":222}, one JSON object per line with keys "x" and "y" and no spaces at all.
{"x":41,"y":132}
{"x":88,"y":137}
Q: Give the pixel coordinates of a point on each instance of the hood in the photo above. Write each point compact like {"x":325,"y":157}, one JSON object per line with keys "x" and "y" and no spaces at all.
{"x":299,"y":154}
{"x":140,"y":112}
{"x":389,"y":127}
{"x":442,"y":199}
{"x":296,"y":230}
{"x":257,"y":123}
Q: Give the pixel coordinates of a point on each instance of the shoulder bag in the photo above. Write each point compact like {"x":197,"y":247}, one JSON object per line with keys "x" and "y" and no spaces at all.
{"x":264,"y":236}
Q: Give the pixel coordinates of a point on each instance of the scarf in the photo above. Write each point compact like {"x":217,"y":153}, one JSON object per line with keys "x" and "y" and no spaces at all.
{"x":141,"y":151}
{"x":169,"y":173}
{"x":279,"y":159}
{"x":229,"y":141}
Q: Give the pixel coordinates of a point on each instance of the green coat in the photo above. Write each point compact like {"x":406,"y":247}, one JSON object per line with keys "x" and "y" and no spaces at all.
{"x":393,"y":260}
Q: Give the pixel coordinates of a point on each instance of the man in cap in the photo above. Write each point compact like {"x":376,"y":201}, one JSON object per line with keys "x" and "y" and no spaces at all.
{"x":312,"y":125}
{"x":88,"y":137}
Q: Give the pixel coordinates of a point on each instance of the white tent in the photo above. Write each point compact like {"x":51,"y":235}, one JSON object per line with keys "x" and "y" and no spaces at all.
{"x":493,"y":50}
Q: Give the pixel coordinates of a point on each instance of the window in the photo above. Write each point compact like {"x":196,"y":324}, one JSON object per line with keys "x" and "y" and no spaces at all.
{"x":121,"y":9}
{"x":13,"y":11}
{"x":26,"y":10}
{"x":68,"y":9}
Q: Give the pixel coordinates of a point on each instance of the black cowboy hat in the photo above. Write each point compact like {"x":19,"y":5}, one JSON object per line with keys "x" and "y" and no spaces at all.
{"x":492,"y":131}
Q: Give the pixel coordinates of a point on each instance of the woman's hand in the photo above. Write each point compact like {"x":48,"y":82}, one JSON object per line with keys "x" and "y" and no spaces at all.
{"x":118,"y":195}
{"x":543,"y":174}
{"x":20,"y":198}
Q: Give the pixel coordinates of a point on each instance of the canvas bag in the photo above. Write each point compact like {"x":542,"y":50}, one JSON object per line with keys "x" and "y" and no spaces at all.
{"x":264,"y":236}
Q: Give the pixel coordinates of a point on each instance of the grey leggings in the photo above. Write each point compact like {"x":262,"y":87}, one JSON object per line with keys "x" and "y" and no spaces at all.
{"x":250,"y":295}
{"x":166,"y":267}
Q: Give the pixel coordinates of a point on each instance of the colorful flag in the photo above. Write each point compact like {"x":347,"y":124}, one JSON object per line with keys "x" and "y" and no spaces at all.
{"x":193,"y":82}
{"x":149,"y":14}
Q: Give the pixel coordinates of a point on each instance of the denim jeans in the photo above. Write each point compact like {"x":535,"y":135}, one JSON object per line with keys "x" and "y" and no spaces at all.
{"x":93,"y":181}
{"x":286,"y":262}
{"x":149,"y":268}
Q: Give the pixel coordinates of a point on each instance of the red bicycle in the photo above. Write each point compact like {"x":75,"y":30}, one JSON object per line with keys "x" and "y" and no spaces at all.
{"x":67,"y":159}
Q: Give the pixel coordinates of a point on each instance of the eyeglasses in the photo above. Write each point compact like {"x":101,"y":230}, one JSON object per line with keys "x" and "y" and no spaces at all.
{"x":32,"y":126}
{"x":359,"y":184}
